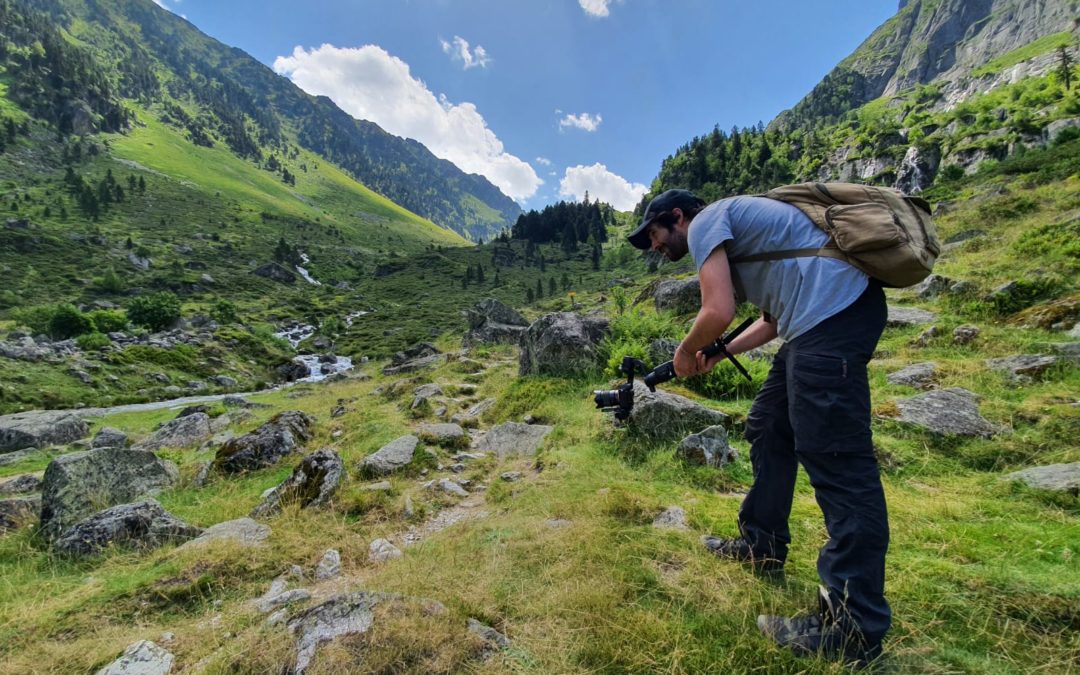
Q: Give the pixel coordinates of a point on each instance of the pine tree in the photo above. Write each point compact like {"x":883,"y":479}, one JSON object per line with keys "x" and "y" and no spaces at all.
{"x":1064,"y":69}
{"x":479,"y":273}
{"x":528,"y":295}
{"x":539,"y":288}
{"x":552,"y":288}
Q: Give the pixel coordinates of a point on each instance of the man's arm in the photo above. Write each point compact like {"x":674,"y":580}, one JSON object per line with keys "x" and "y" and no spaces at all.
{"x":760,"y":332}
{"x":717,"y":310}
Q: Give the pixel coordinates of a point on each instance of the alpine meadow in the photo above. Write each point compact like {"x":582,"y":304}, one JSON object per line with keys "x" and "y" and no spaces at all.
{"x":286,"y":391}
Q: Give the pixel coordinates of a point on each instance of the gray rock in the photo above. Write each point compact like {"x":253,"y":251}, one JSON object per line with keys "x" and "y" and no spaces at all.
{"x":142,"y":525}
{"x":27,"y":482}
{"x":108,"y":437}
{"x":451,"y":488}
{"x":661,"y":415}
{"x":472,"y":415}
{"x":381,"y":550}
{"x":181,"y":432}
{"x":707,"y":448}
{"x":341,"y":615}
{"x":490,"y":322}
{"x":900,"y":317}
{"x":18,"y":512}
{"x":932,"y":286}
{"x":1023,"y":367}
{"x":673,"y":518}
{"x":142,"y":658}
{"x":138,"y":262}
{"x":40,"y":428}
{"x":424,"y":392}
{"x":446,"y":435}
{"x":417,"y":351}
{"x":381,"y":486}
{"x":415,"y":365}
{"x":514,"y":439}
{"x":277,"y":597}
{"x":510,"y":476}
{"x":276,"y":272}
{"x":329,"y":566}
{"x":924,"y":338}
{"x":1052,"y":477}
{"x":234,"y":401}
{"x":917,"y":375}
{"x":561,"y":344}
{"x":224,"y":381}
{"x":265,"y":446}
{"x":391,"y":457}
{"x":78,"y":485}
{"x":953,"y":412}
{"x":488,"y":634}
{"x":965,"y":335}
{"x":680,"y":296}
{"x":662,"y":350}
{"x":312,"y":484}
{"x":1068,"y":350}
{"x":293,"y":370}
{"x":18,"y":456}
{"x":242,"y":531}
{"x":557,"y":523}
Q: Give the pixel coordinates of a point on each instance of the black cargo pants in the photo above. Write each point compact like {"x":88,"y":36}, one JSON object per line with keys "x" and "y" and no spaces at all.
{"x":814,"y":410}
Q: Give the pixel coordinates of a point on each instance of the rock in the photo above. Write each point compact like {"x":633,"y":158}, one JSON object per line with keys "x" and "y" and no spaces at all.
{"x":138,"y":262}
{"x":488,"y":634}
{"x":278,"y":597}
{"x":924,"y":338}
{"x":673,"y":518}
{"x":661,"y":415}
{"x":510,"y":476}
{"x":381,"y":550}
{"x":18,"y":512}
{"x":417,"y":351}
{"x":662,"y":351}
{"x":490,"y":322}
{"x":917,"y":170}
{"x":312,"y":484}
{"x":20,"y":484}
{"x":381,"y":486}
{"x":1023,"y":368}
{"x":557,"y":523}
{"x":338,"y":411}
{"x":707,"y":448}
{"x":953,"y":412}
{"x":514,"y":439}
{"x":275,"y":272}
{"x":142,"y":525}
{"x":932,"y":286}
{"x":450,"y":487}
{"x":444,"y":435}
{"x":561,"y":344}
{"x":902,"y":317}
{"x":25,"y":349}
{"x":179,"y":433}
{"x":40,"y":428}
{"x":416,"y":364}
{"x":424,"y":392}
{"x":224,"y":381}
{"x":77,"y":485}
{"x":1067,"y":350}
{"x":965,"y":335}
{"x":267,"y":445}
{"x":242,"y":532}
{"x":142,"y":658}
{"x":341,"y":615}
{"x":679,"y":296}
{"x":233,"y":401}
{"x":293,"y":371}
{"x":1052,"y":477}
{"x":329,"y":567}
{"x":471,"y":416}
{"x":917,"y":375}
{"x":391,"y":457}
{"x":108,"y":437}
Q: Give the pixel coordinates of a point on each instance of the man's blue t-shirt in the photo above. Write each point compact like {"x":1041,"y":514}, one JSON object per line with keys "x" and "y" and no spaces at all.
{"x":798,"y":292}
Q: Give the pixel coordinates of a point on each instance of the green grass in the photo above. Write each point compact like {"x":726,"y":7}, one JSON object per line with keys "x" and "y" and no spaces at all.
{"x":1043,"y":45}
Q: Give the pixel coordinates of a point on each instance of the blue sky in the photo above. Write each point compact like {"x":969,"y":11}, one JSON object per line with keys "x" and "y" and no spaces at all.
{"x":548,"y":98}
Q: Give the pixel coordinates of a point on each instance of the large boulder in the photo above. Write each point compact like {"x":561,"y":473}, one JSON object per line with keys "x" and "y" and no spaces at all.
{"x":313,"y":483}
{"x":181,"y":432}
{"x":664,"y":416}
{"x":950,"y":412}
{"x":108,"y":437}
{"x":284,"y":434}
{"x":393,"y":456}
{"x":293,"y":370}
{"x":447,"y":435}
{"x":39,"y":428}
{"x":18,"y":512}
{"x":78,"y":485}
{"x":514,"y":439}
{"x":275,"y":272}
{"x":681,"y":296}
{"x":142,"y":658}
{"x":143,"y":525}
{"x":1052,"y":477}
{"x":561,"y":344}
{"x":1023,"y":368}
{"x":490,"y":321}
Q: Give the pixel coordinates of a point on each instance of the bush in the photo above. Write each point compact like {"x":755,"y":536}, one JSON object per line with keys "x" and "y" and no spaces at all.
{"x":68,"y":322}
{"x":109,"y":320}
{"x":156,"y":312}
{"x":953,"y":172}
{"x":224,"y":312}
{"x":110,"y":282}
{"x":92,"y":341}
{"x":35,"y":318}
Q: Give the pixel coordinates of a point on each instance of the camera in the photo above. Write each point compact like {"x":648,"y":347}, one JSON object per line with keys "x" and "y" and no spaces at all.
{"x":621,"y":400}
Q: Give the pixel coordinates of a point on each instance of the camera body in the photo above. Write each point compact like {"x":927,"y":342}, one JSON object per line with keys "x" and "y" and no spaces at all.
{"x":621,"y":399}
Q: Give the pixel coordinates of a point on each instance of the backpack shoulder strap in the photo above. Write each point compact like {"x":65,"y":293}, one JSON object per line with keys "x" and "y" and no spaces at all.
{"x":824,"y":252}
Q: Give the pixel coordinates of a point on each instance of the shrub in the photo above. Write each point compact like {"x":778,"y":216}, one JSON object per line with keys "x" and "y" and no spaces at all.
{"x":224,"y":312}
{"x":110,"y":282}
{"x":68,"y":322}
{"x":91,"y":341}
{"x":109,"y":320}
{"x":953,"y":172}
{"x":35,"y":318}
{"x":156,"y":312}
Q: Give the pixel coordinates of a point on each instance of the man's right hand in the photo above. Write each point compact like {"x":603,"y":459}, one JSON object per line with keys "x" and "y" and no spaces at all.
{"x":685,"y":363}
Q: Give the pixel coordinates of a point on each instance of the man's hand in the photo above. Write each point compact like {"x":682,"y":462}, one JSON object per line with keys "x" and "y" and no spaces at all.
{"x":686,"y":364}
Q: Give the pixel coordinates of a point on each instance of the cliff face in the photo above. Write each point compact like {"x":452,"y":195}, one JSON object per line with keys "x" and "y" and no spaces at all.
{"x":931,"y":41}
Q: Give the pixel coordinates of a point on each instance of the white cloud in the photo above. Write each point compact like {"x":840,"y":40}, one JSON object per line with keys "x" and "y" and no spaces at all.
{"x":601,"y":184}
{"x":597,"y":8}
{"x":544,"y":161}
{"x":368,"y":83}
{"x":459,"y":51}
{"x":584,"y":121}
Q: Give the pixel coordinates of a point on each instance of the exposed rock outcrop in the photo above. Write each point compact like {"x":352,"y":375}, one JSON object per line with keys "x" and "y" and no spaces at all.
{"x":142,"y":525}
{"x":952,"y":412}
{"x":490,"y":322}
{"x":312,"y":484}
{"x":681,"y":296}
{"x":514,"y":439}
{"x":40,"y":428}
{"x":284,"y":434}
{"x":391,"y":457}
{"x":561,"y":344}
{"x":662,"y":415}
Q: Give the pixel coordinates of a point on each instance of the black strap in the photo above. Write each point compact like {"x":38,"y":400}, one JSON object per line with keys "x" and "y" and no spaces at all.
{"x":825,"y":252}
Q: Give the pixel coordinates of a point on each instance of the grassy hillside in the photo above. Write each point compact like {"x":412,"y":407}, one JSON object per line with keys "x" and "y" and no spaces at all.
{"x":981,"y":573}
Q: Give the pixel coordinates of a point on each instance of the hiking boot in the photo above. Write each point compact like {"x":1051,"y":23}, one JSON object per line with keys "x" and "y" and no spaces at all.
{"x":739,"y":549}
{"x":820,"y":634}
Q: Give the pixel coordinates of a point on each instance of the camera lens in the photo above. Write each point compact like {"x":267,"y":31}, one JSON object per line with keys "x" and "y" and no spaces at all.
{"x":606,"y":399}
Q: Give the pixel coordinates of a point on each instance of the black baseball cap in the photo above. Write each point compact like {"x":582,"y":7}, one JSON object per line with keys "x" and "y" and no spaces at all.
{"x":662,"y":203}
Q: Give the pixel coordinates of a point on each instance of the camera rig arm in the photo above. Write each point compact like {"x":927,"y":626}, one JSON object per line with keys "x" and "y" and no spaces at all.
{"x":666,"y":371}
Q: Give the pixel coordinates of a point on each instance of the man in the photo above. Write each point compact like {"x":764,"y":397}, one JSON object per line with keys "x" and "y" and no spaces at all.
{"x":813,"y":409}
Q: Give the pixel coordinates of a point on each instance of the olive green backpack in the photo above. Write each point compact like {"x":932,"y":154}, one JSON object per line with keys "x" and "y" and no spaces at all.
{"x":881,"y":231}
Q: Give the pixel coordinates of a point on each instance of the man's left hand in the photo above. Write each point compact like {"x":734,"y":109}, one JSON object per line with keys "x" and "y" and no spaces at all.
{"x":686,"y":364}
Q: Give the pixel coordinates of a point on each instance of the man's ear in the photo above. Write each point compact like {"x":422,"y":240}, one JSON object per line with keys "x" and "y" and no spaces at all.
{"x":678,"y":213}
